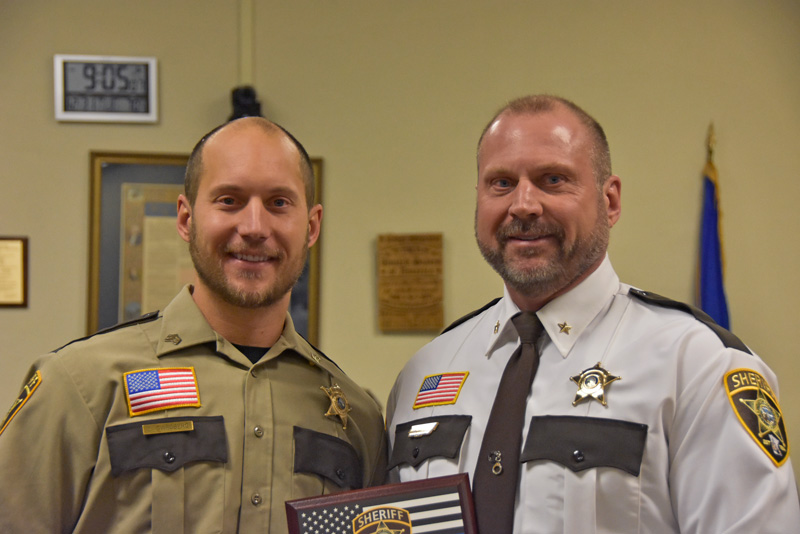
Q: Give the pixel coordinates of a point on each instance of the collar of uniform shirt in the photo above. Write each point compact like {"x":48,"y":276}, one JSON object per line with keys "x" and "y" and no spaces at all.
{"x":577,"y":308}
{"x":506,"y":332}
{"x":183,"y":325}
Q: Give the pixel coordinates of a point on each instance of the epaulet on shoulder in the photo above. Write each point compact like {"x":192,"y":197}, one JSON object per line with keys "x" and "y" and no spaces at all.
{"x":146,"y":318}
{"x":319,"y":351}
{"x":727,"y":337}
{"x":470,"y":315}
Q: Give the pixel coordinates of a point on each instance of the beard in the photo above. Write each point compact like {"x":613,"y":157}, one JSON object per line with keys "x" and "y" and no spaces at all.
{"x":564,"y":267}
{"x":210,"y":269}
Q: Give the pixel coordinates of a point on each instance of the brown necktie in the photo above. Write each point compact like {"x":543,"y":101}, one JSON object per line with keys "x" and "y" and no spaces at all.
{"x":496,"y":477}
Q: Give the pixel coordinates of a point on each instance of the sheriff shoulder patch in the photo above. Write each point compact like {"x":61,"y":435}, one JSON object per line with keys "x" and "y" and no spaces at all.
{"x":441,"y":389}
{"x":755,"y":405}
{"x":151,"y":390}
{"x":26,"y":394}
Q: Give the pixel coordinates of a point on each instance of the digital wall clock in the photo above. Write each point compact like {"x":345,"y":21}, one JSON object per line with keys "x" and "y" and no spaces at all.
{"x":105,"y":88}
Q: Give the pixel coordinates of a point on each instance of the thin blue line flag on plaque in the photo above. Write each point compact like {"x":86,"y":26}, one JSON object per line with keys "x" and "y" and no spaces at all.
{"x":439,"y":505}
{"x":711,"y":288}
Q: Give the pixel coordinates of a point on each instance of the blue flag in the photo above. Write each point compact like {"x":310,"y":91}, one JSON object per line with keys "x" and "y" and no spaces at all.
{"x":710,"y":287}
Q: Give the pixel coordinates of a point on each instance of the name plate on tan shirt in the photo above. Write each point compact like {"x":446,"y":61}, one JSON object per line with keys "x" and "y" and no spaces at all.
{"x":410,"y":292}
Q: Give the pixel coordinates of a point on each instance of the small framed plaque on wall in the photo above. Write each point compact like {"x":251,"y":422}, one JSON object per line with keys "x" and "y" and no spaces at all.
{"x":410,"y":289}
{"x":14,"y":272}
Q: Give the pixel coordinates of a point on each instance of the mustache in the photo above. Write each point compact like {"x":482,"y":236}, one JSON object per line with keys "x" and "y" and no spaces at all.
{"x":530,"y":229}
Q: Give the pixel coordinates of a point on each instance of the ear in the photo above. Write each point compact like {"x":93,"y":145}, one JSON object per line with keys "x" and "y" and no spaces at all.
{"x":612,"y":193}
{"x":314,"y":222}
{"x":184,"y":223}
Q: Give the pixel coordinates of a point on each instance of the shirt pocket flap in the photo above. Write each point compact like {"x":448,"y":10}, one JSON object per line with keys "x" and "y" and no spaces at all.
{"x":429,"y":437}
{"x":580,"y":443}
{"x":327,"y":456}
{"x":166,"y":444}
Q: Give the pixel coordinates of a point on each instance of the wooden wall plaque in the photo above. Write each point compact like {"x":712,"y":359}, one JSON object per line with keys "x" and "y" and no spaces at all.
{"x":410,"y":288}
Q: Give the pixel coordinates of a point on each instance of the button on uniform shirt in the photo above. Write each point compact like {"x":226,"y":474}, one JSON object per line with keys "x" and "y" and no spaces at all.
{"x":667,"y":453}
{"x":236,"y":440}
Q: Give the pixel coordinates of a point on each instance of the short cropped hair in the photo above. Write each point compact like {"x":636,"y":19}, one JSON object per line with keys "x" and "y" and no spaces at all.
{"x":536,"y":104}
{"x":194,"y":167}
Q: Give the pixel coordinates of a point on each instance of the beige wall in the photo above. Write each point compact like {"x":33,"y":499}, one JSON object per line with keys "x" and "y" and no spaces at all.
{"x":393,"y":96}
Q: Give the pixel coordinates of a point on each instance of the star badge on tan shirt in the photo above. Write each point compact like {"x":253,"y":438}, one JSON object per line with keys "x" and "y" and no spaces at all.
{"x":339,"y":406}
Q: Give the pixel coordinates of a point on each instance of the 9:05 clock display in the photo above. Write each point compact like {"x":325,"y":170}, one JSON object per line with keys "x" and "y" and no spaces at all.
{"x":105,"y":88}
{"x":109,"y":87}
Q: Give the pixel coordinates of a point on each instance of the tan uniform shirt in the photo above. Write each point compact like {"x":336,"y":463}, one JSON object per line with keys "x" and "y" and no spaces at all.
{"x":74,"y":459}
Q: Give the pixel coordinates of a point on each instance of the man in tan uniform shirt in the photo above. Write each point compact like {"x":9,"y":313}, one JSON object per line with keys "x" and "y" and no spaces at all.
{"x":208,"y":415}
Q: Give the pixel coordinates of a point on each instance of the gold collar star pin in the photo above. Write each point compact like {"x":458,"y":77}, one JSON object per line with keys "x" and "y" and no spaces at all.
{"x":592,"y":383}
{"x":564,"y":328}
{"x":339,"y":406}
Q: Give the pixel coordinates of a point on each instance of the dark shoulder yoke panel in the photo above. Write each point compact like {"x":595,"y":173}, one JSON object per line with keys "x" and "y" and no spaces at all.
{"x":727,"y":337}
{"x":146,"y":318}
{"x":470,"y":315}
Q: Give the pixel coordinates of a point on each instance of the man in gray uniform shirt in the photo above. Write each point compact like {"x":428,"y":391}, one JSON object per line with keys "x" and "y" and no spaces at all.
{"x":643,"y":415}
